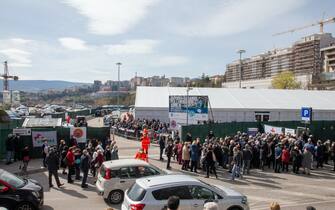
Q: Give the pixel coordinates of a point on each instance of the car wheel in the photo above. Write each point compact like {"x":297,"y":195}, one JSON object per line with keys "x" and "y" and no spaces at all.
{"x":116,"y":196}
{"x":25,"y":206}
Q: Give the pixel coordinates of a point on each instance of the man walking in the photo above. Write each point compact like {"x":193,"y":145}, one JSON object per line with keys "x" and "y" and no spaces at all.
{"x":52,"y":161}
{"x":169,"y":152}
{"x":161,"y":147}
{"x":45,"y":151}
{"x":85,"y":166}
{"x":278,"y":153}
{"x":9,"y":149}
{"x":247,"y":156}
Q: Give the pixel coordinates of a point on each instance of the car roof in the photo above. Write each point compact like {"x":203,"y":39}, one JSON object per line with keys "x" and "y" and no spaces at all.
{"x":166,"y":180}
{"x":124,"y":163}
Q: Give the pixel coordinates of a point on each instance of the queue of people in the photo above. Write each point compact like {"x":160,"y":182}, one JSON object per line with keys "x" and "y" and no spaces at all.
{"x":240,"y":153}
{"x":77,"y":162}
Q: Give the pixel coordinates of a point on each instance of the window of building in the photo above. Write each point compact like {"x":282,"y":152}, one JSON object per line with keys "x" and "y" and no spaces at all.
{"x":262,"y":116}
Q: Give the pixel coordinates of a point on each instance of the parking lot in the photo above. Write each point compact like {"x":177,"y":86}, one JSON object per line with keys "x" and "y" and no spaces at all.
{"x":292,"y":192}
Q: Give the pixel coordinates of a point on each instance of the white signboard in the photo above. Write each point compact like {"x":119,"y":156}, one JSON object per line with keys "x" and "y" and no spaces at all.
{"x":39,"y":137}
{"x":79,"y":133}
{"x":187,"y":109}
{"x":272,"y":129}
{"x":22,"y":131}
{"x":289,"y":131}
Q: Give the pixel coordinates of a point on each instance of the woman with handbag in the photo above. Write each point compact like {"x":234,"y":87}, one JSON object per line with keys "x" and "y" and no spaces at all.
{"x":210,"y":161}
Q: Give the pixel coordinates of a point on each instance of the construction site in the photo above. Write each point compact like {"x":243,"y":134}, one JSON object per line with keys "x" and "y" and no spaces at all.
{"x":311,"y":59}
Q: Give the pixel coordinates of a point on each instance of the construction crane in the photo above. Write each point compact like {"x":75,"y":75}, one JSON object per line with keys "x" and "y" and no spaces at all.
{"x":6,"y":77}
{"x":320,"y":23}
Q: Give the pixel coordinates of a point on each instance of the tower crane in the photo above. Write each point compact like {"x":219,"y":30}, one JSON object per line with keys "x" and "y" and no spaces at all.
{"x":319,"y":23}
{"x":6,"y":77}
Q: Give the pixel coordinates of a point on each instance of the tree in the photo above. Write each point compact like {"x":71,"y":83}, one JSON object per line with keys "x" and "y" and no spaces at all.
{"x":285,"y":80}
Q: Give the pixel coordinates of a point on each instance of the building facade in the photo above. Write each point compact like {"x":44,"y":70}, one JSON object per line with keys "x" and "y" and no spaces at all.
{"x":304,"y":58}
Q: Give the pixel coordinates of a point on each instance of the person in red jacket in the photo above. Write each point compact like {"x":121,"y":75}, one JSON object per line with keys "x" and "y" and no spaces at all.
{"x":285,"y":158}
{"x":141,"y":155}
{"x":70,"y":163}
{"x":145,"y":141}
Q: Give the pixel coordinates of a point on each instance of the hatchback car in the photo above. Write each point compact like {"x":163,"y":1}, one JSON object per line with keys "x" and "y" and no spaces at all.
{"x":118,"y":175}
{"x":18,"y":193}
{"x":152,"y":193}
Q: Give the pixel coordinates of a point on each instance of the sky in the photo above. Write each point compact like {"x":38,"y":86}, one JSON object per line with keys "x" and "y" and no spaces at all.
{"x":82,"y":40}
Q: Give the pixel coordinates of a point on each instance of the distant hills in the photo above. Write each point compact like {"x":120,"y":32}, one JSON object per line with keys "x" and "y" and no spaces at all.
{"x":40,"y":85}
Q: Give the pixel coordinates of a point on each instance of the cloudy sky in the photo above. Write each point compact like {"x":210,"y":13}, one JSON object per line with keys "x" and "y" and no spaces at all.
{"x":81,"y":40}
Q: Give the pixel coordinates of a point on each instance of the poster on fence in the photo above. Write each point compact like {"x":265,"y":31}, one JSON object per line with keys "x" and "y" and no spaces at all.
{"x":289,"y":131}
{"x":22,"y":131}
{"x":273,"y":129}
{"x":39,"y":137}
{"x":79,"y":133}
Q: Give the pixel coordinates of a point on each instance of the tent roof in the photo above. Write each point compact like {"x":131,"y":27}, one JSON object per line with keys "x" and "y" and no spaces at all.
{"x":42,"y":122}
{"x":226,"y":98}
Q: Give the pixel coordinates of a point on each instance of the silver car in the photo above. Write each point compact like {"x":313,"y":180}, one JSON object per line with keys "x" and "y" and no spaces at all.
{"x":118,"y":175}
{"x":151,"y":193}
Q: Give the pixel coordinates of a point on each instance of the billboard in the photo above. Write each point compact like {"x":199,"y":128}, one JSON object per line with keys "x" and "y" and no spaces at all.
{"x":79,"y":133}
{"x":195,"y":106}
{"x":39,"y":137}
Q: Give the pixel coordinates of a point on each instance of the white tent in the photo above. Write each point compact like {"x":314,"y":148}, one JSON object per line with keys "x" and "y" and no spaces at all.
{"x":240,"y":105}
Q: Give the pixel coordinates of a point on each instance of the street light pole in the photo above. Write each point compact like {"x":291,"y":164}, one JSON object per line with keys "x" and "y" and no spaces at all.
{"x":240,"y":69}
{"x":118,"y":84}
{"x":187,"y":95}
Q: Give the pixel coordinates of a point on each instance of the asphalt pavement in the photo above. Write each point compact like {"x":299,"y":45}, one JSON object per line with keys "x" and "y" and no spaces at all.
{"x":292,"y":192}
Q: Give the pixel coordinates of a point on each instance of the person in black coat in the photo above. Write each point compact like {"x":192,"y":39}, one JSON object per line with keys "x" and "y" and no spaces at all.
{"x":52,"y":161}
{"x":161,"y":147}
{"x":169,"y":153}
{"x":210,"y":161}
{"x":9,"y":149}
{"x":85,"y":166}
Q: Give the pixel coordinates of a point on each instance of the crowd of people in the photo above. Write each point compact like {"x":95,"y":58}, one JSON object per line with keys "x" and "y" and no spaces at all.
{"x":241,"y":152}
{"x":137,"y":125}
{"x":77,"y":161}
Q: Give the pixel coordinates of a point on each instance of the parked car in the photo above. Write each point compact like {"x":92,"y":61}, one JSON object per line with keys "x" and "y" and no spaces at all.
{"x":118,"y":175}
{"x":18,"y":193}
{"x":152,"y":193}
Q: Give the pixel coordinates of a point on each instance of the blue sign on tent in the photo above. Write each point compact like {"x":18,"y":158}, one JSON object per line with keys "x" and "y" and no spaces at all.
{"x":306,"y":113}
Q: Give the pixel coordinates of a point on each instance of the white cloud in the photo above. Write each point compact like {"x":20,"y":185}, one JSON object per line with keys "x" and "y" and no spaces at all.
{"x":170,"y":61}
{"x":141,"y":46}
{"x":235,"y":16}
{"x":73,"y":43}
{"x":110,"y":17}
{"x":16,"y":52}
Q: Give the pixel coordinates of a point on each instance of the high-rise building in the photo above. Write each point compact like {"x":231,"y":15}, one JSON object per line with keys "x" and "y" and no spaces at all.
{"x":303,"y":58}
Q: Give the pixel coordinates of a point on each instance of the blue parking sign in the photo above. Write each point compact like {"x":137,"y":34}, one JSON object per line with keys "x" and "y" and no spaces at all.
{"x":306,"y":113}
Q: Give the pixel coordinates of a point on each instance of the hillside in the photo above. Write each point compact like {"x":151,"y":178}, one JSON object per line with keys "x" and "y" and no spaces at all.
{"x":39,"y":85}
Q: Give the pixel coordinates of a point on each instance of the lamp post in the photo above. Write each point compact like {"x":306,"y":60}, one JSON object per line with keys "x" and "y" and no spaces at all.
{"x":187,"y":95}
{"x":241,"y":51}
{"x":118,"y":83}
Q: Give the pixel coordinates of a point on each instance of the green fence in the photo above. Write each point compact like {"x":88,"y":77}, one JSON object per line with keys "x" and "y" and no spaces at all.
{"x":320,"y":129}
{"x":62,"y":133}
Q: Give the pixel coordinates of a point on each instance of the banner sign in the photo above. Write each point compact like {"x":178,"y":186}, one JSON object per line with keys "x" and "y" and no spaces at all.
{"x":289,"y":131}
{"x":22,"y":131}
{"x":79,"y":133}
{"x":252,"y":131}
{"x":195,"y":106}
{"x":39,"y":137}
{"x":272,"y":129}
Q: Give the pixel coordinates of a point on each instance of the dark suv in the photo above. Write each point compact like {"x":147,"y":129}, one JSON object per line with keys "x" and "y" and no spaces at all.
{"x":19,"y":194}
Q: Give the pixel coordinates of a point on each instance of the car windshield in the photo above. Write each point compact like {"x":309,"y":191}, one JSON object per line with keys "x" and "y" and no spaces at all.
{"x":211,"y":186}
{"x":11,"y":179}
{"x":158,"y":170}
{"x":136,"y":192}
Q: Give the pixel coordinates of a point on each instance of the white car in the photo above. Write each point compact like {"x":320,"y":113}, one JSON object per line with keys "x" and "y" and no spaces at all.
{"x":152,"y":193}
{"x":118,"y":175}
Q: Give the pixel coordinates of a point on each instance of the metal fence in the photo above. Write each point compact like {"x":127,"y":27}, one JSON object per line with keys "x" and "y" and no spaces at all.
{"x":322,"y":130}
